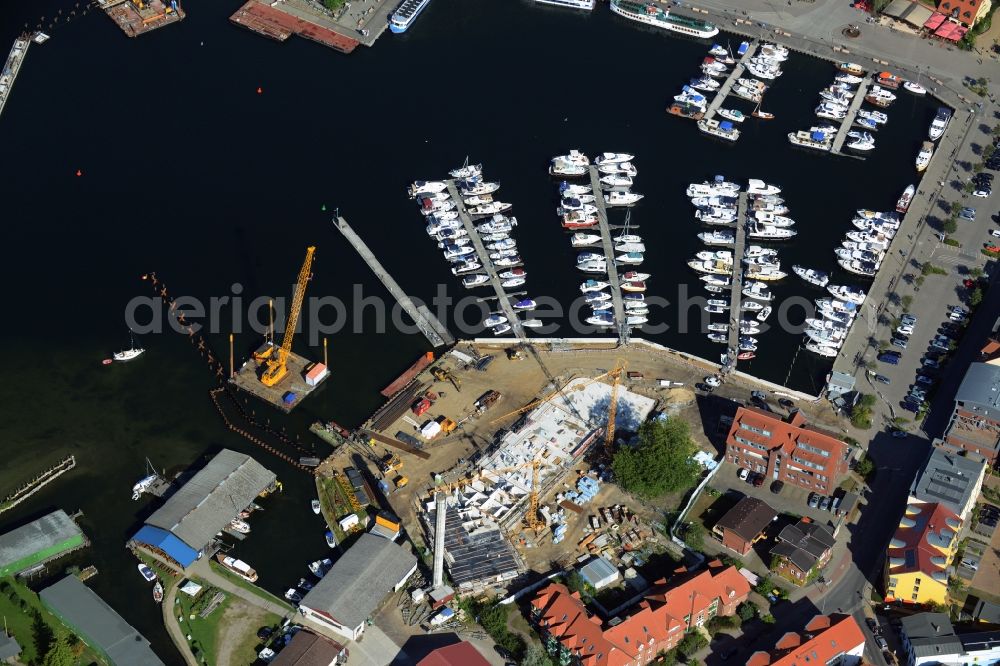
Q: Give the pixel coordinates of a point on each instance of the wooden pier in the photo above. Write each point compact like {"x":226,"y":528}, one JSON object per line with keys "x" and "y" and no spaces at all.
{"x":429,"y":325}
{"x":503,"y":298}
{"x":736,"y":295}
{"x":727,"y":85}
{"x":12,"y":67}
{"x":609,"y":254}
{"x":852,"y":113}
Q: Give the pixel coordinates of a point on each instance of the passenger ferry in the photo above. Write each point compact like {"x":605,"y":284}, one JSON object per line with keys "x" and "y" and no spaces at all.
{"x":406,"y":14}
{"x":653,"y":14}
{"x":573,"y":4}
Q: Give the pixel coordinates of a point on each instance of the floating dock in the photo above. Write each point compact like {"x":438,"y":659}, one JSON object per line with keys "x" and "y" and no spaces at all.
{"x":503,"y":298}
{"x":727,"y":85}
{"x":852,"y":114}
{"x":736,"y":294}
{"x":287,"y":394}
{"x":138,"y":18}
{"x":433,"y":330}
{"x":609,"y":254}
{"x":11,"y":68}
{"x":280,"y":24}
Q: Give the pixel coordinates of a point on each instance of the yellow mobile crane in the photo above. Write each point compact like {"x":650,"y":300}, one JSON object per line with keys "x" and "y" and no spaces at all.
{"x":275,"y":369}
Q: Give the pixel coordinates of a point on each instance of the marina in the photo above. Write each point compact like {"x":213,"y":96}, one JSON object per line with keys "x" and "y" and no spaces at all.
{"x":609,"y":253}
{"x":852,"y":114}
{"x":738,"y":69}
{"x":12,"y":66}
{"x":502,"y":297}
{"x":433,"y":330}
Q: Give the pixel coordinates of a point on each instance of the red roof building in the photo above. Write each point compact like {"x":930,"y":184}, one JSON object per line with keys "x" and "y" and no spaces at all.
{"x":658,"y":623}
{"x":825,"y":640}
{"x":457,"y":654}
{"x":966,"y":12}
{"x":790,"y":451}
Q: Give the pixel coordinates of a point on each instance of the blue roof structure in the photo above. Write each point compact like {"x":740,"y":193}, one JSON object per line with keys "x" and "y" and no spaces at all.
{"x":168,"y":543}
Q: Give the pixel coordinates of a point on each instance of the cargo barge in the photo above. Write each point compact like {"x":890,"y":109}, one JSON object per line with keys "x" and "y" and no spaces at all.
{"x":408,"y":376}
{"x":271,"y":22}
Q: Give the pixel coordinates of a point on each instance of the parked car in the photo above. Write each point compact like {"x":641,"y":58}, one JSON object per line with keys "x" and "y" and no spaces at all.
{"x":881,"y":643}
{"x":744,"y":474}
{"x":910,"y":406}
{"x":882,"y":379}
{"x":905,"y":329}
{"x":982,"y":192}
{"x":931,"y":363}
{"x":900,"y":434}
{"x":758,"y":395}
{"x":757,"y":480}
{"x":886,"y":358}
{"x":824,"y":504}
{"x":873,"y":625}
{"x":925,"y":380}
{"x":995,"y":233}
{"x":813,"y":500}
{"x":907,"y":318}
{"x":968,"y":214}
{"x":899,"y":342}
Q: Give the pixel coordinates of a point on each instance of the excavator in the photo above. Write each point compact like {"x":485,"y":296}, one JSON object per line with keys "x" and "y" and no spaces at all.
{"x":275,"y":367}
{"x":443,"y":375}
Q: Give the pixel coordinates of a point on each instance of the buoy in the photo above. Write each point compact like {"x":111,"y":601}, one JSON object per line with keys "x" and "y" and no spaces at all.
{"x":260,"y":91}
{"x":79,"y":172}
{"x":107,"y":361}
{"x":324,"y":207}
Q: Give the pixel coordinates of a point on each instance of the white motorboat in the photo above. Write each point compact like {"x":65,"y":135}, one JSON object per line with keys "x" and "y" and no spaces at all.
{"x":467,"y":267}
{"x":627,"y":238}
{"x":477,"y":199}
{"x":581,"y":239}
{"x":589,"y":256}
{"x":847,"y":293}
{"x":129,"y":354}
{"x":862,"y":141}
{"x":821,"y":349}
{"x":722,"y":129}
{"x":718,"y":328}
{"x":762,"y":315}
{"x":458,"y":251}
{"x":238,"y":567}
{"x":711,"y":267}
{"x":715,"y":309}
{"x":812,"y":276}
{"x":510,"y":283}
{"x":824,"y":324}
{"x":752,"y":306}
{"x":763,"y":70}
{"x":717,"y":237}
{"x":774,"y":51}
{"x":636,"y":287}
{"x":879,"y":96}
{"x":601,"y":319}
{"x":720,"y":189}
{"x":622,"y":168}
{"x":467,"y":171}
{"x":765,"y":217}
{"x":573,"y":157}
{"x":422,"y":187}
{"x":716,"y":215}
{"x":749,"y":327}
{"x":566,"y":189}
{"x":576,"y":201}
{"x":939,"y":124}
{"x":721,"y":338}
{"x":146,"y":573}
{"x":605,"y":158}
{"x":633,"y":276}
{"x":494,"y":320}
{"x":630,"y":247}
{"x":715,"y":289}
{"x":505,"y":262}
{"x":241,"y":526}
{"x":621,"y":198}
{"x":748,"y":343}
{"x":712,"y":279}
{"x":735,"y":115}
{"x":705,"y":83}
{"x":849,"y":79}
{"x":144,"y":484}
{"x":532,"y":323}
{"x":477,"y":188}
{"x":814,"y":140}
{"x":453,"y":241}
{"x":877,"y":117}
{"x":593,"y":266}
{"x":715,"y":201}
{"x":559,"y":168}
{"x":513,"y":273}
{"x":505,"y":244}
{"x":616,"y":180}
{"x":749,"y":94}
{"x":914,"y":88}
{"x":925,"y":155}
{"x":525,"y":304}
{"x":851,"y":254}
{"x":829,"y":336}
{"x":719,"y":255}
{"x":636,"y":320}
{"x":602,"y":305}
{"x":758,"y":291}
{"x":476,"y":280}
{"x":491,"y":208}
{"x":757,"y":186}
{"x":755,"y":251}
{"x":593,"y":285}
{"x":865,"y":268}
{"x":765,"y":273}
{"x":629,"y":258}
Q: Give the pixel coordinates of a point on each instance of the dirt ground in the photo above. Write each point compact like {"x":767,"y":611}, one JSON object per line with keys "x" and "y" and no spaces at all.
{"x":238,"y":629}
{"x":522,"y":381}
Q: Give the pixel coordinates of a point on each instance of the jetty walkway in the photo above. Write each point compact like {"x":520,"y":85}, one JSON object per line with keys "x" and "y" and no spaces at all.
{"x":730,"y":81}
{"x":736,"y":294}
{"x":852,"y":113}
{"x":429,"y":325}
{"x":609,"y":254}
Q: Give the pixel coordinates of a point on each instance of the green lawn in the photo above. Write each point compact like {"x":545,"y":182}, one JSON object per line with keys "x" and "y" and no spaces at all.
{"x":20,"y":624}
{"x":247,"y":585}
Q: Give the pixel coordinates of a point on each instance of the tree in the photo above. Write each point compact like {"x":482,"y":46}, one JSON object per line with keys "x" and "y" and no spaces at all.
{"x":691,"y":643}
{"x":976,"y":297}
{"x":535,"y":656}
{"x":576,"y":583}
{"x":667,"y":658}
{"x":661,"y":461}
{"x":907,"y":301}
{"x":694,"y":536}
{"x":950,"y":226}
{"x":865,"y":466}
{"x":747,"y":611}
{"x":59,"y":654}
{"x":975,"y":273}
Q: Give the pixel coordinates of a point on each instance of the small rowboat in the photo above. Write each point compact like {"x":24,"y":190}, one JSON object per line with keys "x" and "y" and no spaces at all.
{"x":745,"y":356}
{"x":107,"y":361}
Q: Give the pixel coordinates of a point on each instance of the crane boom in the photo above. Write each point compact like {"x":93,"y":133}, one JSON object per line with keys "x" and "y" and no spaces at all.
{"x":276,"y":368}
{"x":609,"y":438}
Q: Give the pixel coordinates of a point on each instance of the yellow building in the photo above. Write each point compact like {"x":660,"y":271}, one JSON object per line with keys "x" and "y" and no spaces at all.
{"x":919,"y":554}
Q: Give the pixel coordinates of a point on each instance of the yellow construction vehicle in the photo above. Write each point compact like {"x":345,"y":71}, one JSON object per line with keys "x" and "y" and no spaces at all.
{"x":275,"y":369}
{"x":400,"y":481}
{"x":390,"y":463}
{"x":443,"y":375}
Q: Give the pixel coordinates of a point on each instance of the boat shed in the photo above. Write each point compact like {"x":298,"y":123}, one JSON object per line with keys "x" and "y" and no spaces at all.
{"x":97,"y":623}
{"x":184,"y":528}
{"x":39,"y":541}
{"x":349,"y":593}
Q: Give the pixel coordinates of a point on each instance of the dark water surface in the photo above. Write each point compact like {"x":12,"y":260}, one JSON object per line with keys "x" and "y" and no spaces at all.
{"x":189,"y":172}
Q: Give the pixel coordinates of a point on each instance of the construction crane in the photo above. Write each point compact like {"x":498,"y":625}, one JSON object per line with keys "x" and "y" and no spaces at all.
{"x":609,"y":437}
{"x":275,"y":369}
{"x":531,"y":517}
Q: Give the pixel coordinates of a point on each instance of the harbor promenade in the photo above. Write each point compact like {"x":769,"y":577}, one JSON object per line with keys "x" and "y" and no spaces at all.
{"x":852,"y":113}
{"x":609,"y":254}
{"x":736,"y":294}
{"x":429,"y":325}
{"x":503,"y":299}
{"x":727,"y":85}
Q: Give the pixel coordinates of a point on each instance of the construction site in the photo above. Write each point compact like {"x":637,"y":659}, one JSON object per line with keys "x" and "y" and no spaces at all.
{"x":275,"y":374}
{"x":136,"y":17}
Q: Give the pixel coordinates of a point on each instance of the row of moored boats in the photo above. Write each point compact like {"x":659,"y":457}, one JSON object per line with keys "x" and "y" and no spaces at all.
{"x":493,"y":227}
{"x":578,"y":210}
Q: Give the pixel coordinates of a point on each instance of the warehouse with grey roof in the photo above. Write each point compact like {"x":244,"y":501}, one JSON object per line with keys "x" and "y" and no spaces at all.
{"x":97,"y":623}
{"x":39,"y":541}
{"x":184,"y":528}
{"x":357,"y":583}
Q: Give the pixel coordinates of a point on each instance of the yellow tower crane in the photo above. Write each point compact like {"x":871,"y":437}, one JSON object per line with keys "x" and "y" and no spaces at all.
{"x":531,"y":517}
{"x":275,"y":369}
{"x":609,"y":437}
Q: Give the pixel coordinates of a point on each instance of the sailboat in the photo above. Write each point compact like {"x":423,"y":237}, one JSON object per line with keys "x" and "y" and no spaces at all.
{"x":146,"y":482}
{"x":763,"y":115}
{"x":128,"y":354}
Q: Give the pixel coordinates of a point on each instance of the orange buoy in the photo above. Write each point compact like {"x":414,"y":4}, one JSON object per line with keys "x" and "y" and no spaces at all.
{"x":79,"y":172}
{"x":260,"y":91}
